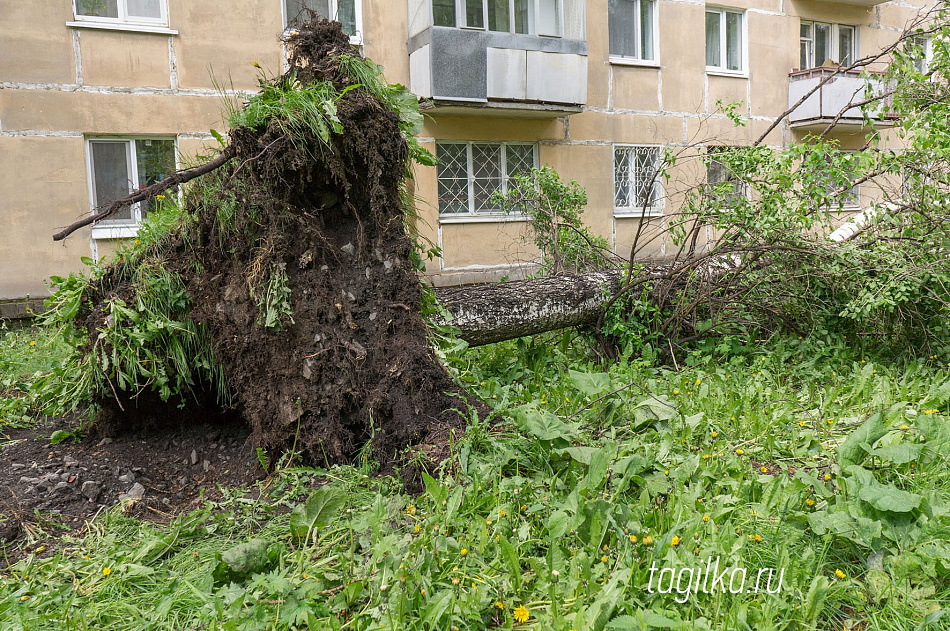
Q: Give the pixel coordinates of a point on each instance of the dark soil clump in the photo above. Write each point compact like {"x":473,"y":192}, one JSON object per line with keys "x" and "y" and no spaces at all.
{"x":351,"y":363}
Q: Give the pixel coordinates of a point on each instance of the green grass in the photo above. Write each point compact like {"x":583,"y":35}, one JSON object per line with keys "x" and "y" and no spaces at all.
{"x":595,"y":474}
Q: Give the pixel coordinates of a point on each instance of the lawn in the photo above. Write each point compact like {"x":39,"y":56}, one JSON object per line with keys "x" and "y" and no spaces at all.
{"x":792,"y":484}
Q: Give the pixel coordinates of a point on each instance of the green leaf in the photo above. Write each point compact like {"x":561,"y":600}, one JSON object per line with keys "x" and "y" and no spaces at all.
{"x":890,"y":498}
{"x":322,"y":506}
{"x":591,"y":383}
{"x":557,"y":524}
{"x":897,"y":454}
{"x":60,"y":435}
{"x":654,"y":408}
{"x":245,"y":559}
{"x":540,"y":423}
{"x":850,"y":451}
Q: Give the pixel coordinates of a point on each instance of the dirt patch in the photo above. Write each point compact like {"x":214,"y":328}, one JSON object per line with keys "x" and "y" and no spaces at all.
{"x":157,"y":473}
{"x":351,"y":362}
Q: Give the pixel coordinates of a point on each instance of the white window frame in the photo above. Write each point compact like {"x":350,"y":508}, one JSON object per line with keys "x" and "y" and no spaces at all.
{"x":472,"y":214}
{"x":635,"y":211}
{"x":119,"y":228}
{"x":723,"y":53}
{"x":533,"y":18}
{"x":654,"y":26}
{"x":124,"y":22}
{"x":740,"y":187}
{"x":926,"y":44}
{"x":835,"y":41}
{"x":333,"y":7}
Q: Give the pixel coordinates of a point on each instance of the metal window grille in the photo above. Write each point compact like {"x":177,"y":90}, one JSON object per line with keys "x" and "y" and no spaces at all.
{"x":636,"y":184}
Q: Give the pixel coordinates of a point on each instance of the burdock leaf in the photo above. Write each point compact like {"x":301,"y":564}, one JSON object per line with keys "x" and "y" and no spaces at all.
{"x":322,"y":506}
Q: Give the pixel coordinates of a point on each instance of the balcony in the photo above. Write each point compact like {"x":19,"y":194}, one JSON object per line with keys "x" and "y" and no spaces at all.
{"x":821,"y":107}
{"x":472,"y":70}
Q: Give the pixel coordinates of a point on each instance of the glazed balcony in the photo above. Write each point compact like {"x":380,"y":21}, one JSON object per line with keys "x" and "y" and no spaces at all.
{"x":504,"y":57}
{"x":836,"y":94}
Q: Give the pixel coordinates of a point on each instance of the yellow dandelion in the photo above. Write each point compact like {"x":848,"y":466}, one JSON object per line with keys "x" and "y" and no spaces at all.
{"x":648,"y":540}
{"x":256,"y":64}
{"x":159,"y":197}
{"x":106,"y":571}
{"x":739,"y":451}
{"x":827,"y":477}
{"x":705,"y":518}
{"x":499,"y":604}
{"x":455,"y":580}
{"x":633,"y":538}
{"x":464,"y":551}
{"x":840,"y":574}
{"x":801,"y":423}
{"x":699,"y":381}
{"x":714,"y":434}
{"x":758,"y":537}
{"x":666,"y":472}
{"x":604,"y":559}
{"x":32,"y":343}
{"x":417,"y":528}
{"x":809,"y":502}
{"x":522,"y":614}
{"x":423,"y":591}
{"x":488,"y":522}
{"x":411,"y":509}
{"x":905,"y":427}
{"x":764,"y":469}
{"x":566,"y":399}
{"x":137,"y":242}
{"x":502,"y":512}
{"x":675,"y":541}
{"x":676,"y":392}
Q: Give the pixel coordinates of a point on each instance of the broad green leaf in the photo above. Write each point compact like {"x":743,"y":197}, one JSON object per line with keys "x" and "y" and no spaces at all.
{"x":898,"y":454}
{"x":540,"y":423}
{"x":321,"y":507}
{"x":890,"y":498}
{"x":591,"y":383}
{"x":657,"y":408}
{"x":850,"y":451}
{"x":243,"y":560}
{"x":557,"y":524}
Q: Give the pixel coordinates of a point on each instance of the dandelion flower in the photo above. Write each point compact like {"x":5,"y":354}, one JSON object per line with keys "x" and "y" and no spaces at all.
{"x":666,"y":472}
{"x":676,"y":392}
{"x":106,"y":571}
{"x":633,"y":538}
{"x":840,"y":574}
{"x":648,"y":540}
{"x":714,"y":434}
{"x":464,"y":551}
{"x":256,"y":64}
{"x":522,"y":614}
{"x":699,"y":381}
{"x":675,"y":541}
{"x":455,"y":580}
{"x":758,"y":537}
{"x":502,"y":512}
{"x":827,"y":477}
{"x":705,"y":518}
{"x":499,"y":604}
{"x":604,"y":559}
{"x":764,"y":469}
{"x":32,"y":343}
{"x":739,"y":451}
{"x":809,"y":502}
{"x":411,"y":509}
{"x":417,"y":528}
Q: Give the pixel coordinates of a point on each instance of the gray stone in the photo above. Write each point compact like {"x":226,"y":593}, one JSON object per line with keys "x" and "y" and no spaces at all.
{"x":194,"y":457}
{"x":90,"y":488}
{"x":349,"y":248}
{"x":127,"y":478}
{"x":69,"y":461}
{"x":104,"y":442}
{"x":135,"y":493}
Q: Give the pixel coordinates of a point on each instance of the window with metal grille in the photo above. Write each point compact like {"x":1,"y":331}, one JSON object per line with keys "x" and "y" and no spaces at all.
{"x":469,"y":173}
{"x":346,"y":12}
{"x":724,"y":188}
{"x":637,"y":186}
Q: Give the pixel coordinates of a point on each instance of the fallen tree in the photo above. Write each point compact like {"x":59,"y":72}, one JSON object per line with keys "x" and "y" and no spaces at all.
{"x":283,"y":289}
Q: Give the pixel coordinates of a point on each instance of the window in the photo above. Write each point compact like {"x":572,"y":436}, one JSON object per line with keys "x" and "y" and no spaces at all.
{"x":724,"y":48}
{"x":121,"y":12}
{"x":526,"y":17}
{"x":346,"y":12}
{"x":119,"y":166}
{"x":821,"y":42}
{"x":631,"y":26}
{"x":723,"y":185}
{"x":849,"y":197}
{"x":637,"y":188}
{"x":469,"y":173}
{"x":920,"y":51}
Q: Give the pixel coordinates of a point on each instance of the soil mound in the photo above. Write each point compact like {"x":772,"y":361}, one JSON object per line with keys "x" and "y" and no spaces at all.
{"x":296,"y":261}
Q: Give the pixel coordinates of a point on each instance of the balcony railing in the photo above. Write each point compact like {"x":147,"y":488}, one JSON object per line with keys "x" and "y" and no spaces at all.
{"x":834,"y":97}
{"x":532,"y":59}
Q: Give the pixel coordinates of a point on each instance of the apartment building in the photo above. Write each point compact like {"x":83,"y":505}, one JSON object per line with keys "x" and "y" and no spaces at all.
{"x":98,"y":97}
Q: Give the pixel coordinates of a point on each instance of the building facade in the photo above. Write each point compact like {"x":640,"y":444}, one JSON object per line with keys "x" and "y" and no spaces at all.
{"x":101,"y":96}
